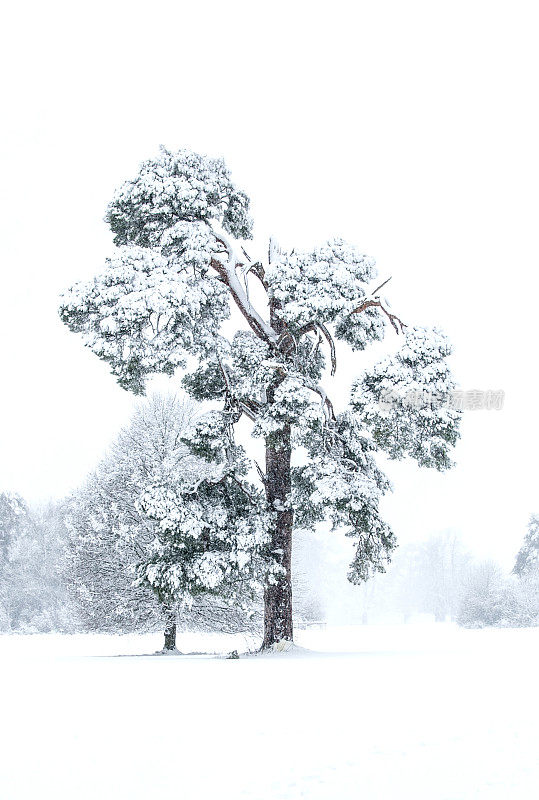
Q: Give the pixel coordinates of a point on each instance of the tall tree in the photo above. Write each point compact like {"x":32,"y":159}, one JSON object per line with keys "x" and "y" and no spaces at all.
{"x":181,"y":228}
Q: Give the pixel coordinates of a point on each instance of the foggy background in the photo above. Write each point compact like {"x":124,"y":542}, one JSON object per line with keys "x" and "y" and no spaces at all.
{"x":409,"y":129}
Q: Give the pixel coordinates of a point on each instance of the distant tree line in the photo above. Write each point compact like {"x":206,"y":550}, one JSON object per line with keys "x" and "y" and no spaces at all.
{"x":34,"y":567}
{"x":440,"y":577}
{"x":492,"y":598}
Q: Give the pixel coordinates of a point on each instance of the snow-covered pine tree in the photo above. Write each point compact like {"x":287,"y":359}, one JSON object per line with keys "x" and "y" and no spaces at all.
{"x":527,"y":560}
{"x":181,"y":229}
{"x":148,"y":531}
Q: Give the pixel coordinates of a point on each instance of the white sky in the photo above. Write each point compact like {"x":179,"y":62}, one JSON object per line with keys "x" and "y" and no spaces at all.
{"x":408,"y":128}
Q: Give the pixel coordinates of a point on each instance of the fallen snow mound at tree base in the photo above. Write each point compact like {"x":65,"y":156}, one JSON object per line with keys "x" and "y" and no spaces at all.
{"x":166,"y":652}
{"x":285,"y":647}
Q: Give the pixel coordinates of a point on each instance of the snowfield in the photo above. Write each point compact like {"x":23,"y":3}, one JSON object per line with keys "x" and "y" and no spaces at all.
{"x":428,"y":712}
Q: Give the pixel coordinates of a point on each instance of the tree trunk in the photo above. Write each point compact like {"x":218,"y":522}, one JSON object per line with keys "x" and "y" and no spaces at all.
{"x":278,"y":594}
{"x":170,"y":631}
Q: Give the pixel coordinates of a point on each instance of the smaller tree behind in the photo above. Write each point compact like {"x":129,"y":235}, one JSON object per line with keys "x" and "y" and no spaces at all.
{"x":149,"y":530}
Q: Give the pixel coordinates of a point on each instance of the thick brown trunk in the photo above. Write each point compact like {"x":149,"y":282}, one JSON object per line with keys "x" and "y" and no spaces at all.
{"x":170,"y":631}
{"x":278,"y":590}
{"x":278,"y":593}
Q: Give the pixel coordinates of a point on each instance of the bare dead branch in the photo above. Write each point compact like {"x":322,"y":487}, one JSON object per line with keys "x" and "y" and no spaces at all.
{"x":395,"y":321}
{"x":375,"y":292}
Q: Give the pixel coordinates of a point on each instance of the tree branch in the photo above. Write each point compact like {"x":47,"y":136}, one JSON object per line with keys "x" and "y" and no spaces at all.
{"x":375,"y":292}
{"x":395,"y":321}
{"x":227,"y":273}
{"x":331,"y":343}
{"x":258,"y":270}
{"x":256,"y":323}
{"x":261,"y":474}
{"x":327,"y":405}
{"x":319,"y":327}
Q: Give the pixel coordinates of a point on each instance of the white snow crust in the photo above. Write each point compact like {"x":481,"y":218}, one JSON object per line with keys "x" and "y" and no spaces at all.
{"x":424,"y":711}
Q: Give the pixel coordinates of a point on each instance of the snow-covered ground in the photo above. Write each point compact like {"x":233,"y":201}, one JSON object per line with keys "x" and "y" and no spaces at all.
{"x":390,"y":712}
